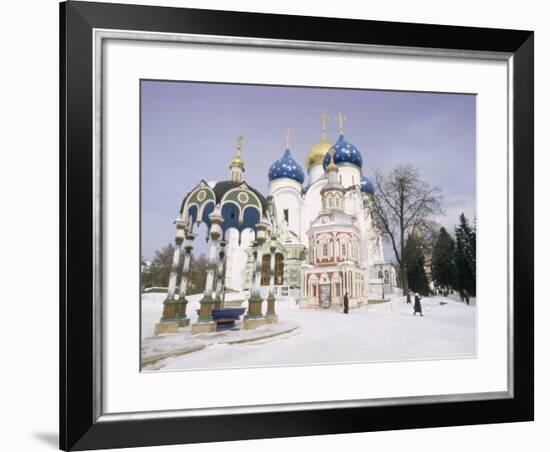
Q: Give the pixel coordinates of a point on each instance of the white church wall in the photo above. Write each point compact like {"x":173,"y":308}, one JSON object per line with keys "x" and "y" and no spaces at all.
{"x":315,"y":173}
{"x":287,"y":197}
{"x":237,"y":257}
{"x":355,"y":207}
{"x":311,"y":208}
{"x":350,"y":175}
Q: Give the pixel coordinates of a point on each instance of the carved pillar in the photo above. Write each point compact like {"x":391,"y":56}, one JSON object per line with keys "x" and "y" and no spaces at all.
{"x":168,"y":322}
{"x":271,"y":316}
{"x":250,"y":270}
{"x":205,"y":323}
{"x":181,"y":311}
{"x":220,"y":275}
{"x":254,"y":318}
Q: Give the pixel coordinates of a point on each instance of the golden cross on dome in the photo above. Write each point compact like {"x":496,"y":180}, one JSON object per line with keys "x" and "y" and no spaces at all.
{"x":288,"y":135}
{"x":239,"y":145}
{"x":324,"y":118}
{"x":341,"y":118}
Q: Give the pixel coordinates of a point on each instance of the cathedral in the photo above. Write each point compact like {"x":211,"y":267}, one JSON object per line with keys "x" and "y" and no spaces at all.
{"x":312,"y":237}
{"x":329,"y":216}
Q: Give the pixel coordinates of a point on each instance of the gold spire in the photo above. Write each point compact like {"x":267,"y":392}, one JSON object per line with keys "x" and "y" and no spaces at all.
{"x":317,"y":152}
{"x":331,"y":166}
{"x":341,"y":118}
{"x":238,"y":161}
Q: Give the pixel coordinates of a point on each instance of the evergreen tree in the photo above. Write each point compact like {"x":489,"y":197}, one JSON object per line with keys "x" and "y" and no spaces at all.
{"x":465,"y":256}
{"x":443,"y":261}
{"x":416,"y":272}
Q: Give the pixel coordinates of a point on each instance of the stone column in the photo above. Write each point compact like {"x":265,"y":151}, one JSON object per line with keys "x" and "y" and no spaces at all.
{"x":181,"y":312}
{"x":168,"y":322}
{"x":250,"y":265}
{"x":353,"y":285}
{"x":220,"y":275}
{"x":271,"y":316}
{"x":344,"y":282}
{"x":205,"y":323}
{"x":254,"y":318}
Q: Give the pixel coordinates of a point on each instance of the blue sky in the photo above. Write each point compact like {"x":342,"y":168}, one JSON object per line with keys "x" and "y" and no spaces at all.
{"x":189,"y":130}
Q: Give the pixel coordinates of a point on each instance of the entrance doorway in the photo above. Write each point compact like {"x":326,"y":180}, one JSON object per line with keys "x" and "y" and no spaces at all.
{"x":324,"y":296}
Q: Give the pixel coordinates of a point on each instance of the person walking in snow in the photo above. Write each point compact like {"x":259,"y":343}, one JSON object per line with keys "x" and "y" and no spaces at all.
{"x":346,"y":303}
{"x":417,"y":305}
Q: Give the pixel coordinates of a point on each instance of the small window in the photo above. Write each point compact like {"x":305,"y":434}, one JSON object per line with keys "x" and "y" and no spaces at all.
{"x":285,"y":213}
{"x":344,"y":249}
{"x":325,"y":249}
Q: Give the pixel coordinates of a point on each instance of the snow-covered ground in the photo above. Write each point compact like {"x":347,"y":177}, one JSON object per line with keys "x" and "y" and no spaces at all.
{"x":384,"y":332}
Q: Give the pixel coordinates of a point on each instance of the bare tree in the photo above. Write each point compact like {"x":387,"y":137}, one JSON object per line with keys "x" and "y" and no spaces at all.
{"x":403,"y":203}
{"x":160,"y":266}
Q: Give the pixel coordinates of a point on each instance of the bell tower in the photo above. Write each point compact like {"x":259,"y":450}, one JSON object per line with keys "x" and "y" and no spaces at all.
{"x":333,"y":192}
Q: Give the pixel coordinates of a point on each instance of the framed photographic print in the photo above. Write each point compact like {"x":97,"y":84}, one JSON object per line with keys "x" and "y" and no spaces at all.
{"x":281,"y":225}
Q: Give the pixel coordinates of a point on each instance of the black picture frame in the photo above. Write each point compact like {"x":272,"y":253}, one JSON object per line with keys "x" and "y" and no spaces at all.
{"x":80,"y":427}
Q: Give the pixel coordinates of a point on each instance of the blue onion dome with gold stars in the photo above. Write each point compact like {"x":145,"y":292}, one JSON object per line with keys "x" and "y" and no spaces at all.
{"x":344,"y":152}
{"x":286,"y":167}
{"x":366,"y":185}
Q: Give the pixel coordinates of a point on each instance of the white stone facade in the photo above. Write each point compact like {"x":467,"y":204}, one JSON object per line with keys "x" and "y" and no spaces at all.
{"x":353,"y":273}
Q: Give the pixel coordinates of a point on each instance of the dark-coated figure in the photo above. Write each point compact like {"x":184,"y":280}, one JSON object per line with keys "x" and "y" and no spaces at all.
{"x":417,"y":305}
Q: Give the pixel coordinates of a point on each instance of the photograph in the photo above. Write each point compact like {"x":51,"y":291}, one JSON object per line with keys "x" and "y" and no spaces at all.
{"x":300,"y":225}
{"x":296,"y":225}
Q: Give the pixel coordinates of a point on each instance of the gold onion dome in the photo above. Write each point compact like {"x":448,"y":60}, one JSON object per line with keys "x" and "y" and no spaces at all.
{"x":317,"y":153}
{"x":237,"y":161}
